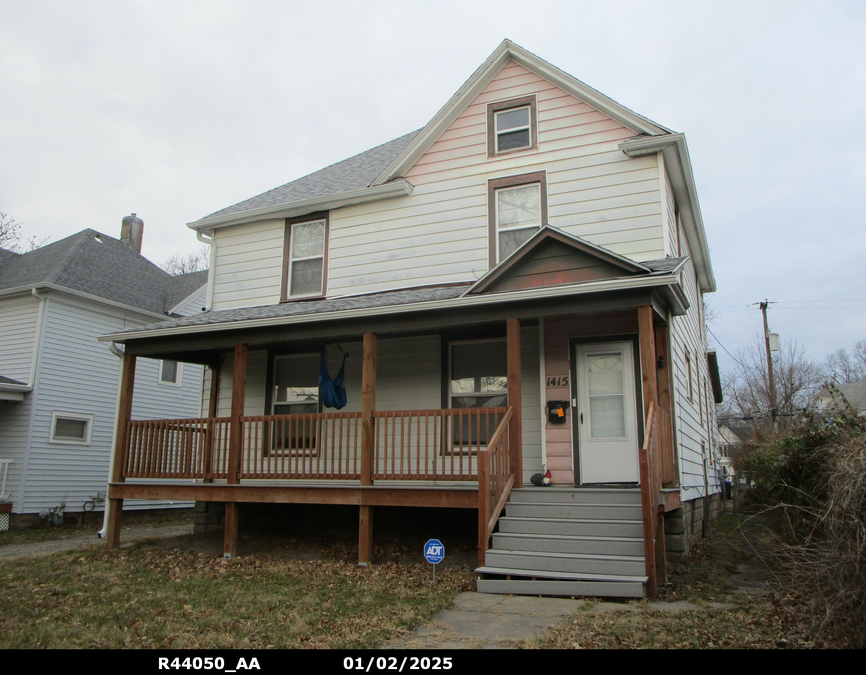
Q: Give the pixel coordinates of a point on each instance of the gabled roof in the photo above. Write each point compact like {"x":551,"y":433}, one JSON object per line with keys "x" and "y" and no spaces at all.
{"x":93,"y":264}
{"x":574,"y":260}
{"x":508,"y":51}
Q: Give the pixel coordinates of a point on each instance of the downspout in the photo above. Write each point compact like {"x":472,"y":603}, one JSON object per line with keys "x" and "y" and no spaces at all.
{"x":210,"y":277}
{"x":114,"y":349}
{"x":34,"y":369}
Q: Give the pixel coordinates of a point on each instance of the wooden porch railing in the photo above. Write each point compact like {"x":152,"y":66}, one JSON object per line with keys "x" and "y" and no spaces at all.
{"x":495,"y":480}
{"x":442,"y":444}
{"x":312,"y":445}
{"x":187,"y":448}
{"x":652,"y":467}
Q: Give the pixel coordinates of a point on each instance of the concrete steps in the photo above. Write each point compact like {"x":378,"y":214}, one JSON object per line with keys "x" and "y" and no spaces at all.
{"x":568,"y":541}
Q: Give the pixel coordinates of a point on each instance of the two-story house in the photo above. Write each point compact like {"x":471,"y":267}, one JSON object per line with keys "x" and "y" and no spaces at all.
{"x":519,"y":287}
{"x":58,"y":383}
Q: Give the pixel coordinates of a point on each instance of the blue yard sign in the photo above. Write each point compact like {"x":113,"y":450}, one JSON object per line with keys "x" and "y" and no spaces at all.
{"x":434,"y":551}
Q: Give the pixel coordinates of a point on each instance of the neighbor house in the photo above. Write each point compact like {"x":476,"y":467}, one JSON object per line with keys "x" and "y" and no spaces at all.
{"x":837,"y":397}
{"x":519,"y":287}
{"x":58,"y":383}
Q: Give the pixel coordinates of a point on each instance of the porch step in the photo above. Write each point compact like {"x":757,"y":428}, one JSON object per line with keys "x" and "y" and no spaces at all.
{"x":572,"y":526}
{"x":570,"y":511}
{"x":557,"y":543}
{"x":577,"y":563}
{"x":564,"y":541}
{"x":576,"y":496}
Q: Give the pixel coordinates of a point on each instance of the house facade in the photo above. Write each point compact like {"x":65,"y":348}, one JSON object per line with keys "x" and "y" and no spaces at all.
{"x":513,"y":289}
{"x":58,"y":383}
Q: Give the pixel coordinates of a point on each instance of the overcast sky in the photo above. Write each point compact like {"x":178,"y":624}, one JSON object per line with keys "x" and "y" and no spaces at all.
{"x":177,"y":109}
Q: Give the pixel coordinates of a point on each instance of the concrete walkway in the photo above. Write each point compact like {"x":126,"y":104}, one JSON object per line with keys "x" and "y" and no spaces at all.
{"x":488,"y":621}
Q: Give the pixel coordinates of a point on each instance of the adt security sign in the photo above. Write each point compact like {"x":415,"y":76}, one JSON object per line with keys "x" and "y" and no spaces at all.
{"x":434,"y":551}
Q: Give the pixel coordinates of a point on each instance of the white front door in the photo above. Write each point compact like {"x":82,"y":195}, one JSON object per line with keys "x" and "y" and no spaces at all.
{"x":606,"y":416}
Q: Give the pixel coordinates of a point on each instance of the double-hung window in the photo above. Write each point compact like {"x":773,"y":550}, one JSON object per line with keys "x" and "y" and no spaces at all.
{"x":305,"y":263}
{"x":511,"y":126}
{"x":517,"y":209}
{"x":478,"y":379}
{"x":295,"y":392}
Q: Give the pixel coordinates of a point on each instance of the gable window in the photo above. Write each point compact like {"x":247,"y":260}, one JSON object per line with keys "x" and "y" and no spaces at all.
{"x":305,"y":256}
{"x":71,"y":428}
{"x":169,"y":372}
{"x":478,"y":379}
{"x":511,"y":126}
{"x":517,"y":208}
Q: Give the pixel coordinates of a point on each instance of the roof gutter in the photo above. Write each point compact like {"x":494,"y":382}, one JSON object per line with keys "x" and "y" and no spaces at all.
{"x":667,"y":284}
{"x":398,"y":188}
{"x":676,"y":154}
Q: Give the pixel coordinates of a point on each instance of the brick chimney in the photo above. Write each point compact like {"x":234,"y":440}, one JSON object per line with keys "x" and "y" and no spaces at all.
{"x":132,"y":232}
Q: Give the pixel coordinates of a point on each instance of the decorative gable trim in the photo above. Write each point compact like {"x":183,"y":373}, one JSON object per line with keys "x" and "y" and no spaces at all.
{"x":505,"y":52}
{"x":544,"y":238}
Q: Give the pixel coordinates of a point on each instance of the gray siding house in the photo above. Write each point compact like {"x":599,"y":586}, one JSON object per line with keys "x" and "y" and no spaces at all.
{"x":58,"y":384}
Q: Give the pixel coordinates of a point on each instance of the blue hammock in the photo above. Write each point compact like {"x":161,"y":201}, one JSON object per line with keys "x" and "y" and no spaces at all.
{"x":332,"y":392}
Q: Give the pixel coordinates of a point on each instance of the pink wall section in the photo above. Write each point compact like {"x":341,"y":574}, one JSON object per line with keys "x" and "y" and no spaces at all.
{"x":557,"y":367}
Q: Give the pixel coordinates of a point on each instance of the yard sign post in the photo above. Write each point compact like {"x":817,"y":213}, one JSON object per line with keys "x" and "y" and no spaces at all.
{"x":434,"y":552}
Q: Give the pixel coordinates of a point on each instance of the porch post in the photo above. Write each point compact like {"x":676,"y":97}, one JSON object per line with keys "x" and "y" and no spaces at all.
{"x":668,"y":460}
{"x":210,"y":438}
{"x":124,"y":413}
{"x":515,"y":441}
{"x":648,"y":369}
{"x":239,"y":385}
{"x":368,"y":439}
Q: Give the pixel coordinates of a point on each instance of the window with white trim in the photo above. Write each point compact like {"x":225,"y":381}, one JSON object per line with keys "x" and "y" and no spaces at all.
{"x":71,"y":428}
{"x":305,"y":264}
{"x":169,"y":372}
{"x":295,"y":392}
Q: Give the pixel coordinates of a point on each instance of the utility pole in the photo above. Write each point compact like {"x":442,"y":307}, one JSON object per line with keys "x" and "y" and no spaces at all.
{"x":772,"y":379}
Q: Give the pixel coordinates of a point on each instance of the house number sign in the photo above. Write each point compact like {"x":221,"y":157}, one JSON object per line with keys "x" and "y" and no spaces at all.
{"x":558,"y":381}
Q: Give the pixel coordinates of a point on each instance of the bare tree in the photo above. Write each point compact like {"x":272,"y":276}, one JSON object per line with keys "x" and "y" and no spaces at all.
{"x":10,"y":236}
{"x":842,"y":367}
{"x":747,"y":390}
{"x":184,"y":263}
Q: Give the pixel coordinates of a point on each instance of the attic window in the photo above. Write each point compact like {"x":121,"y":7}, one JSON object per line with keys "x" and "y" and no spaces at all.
{"x":511,"y":126}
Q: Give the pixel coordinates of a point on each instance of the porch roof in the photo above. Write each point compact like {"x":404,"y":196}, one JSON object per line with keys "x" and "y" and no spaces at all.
{"x":662,"y":278}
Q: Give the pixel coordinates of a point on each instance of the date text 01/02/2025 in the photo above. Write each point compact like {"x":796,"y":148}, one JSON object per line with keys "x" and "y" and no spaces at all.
{"x":381,"y":663}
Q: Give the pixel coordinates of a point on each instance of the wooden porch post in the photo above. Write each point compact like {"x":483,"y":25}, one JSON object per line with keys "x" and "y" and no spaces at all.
{"x":239,"y":385}
{"x":210,"y":438}
{"x":368,"y":439}
{"x":646,"y":335}
{"x":668,"y":460}
{"x":514,"y":400}
{"x":124,"y":413}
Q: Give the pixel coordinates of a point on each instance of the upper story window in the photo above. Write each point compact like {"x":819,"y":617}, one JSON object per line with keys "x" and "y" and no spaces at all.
{"x":517,"y":208}
{"x":305,"y":257}
{"x":511,"y":126}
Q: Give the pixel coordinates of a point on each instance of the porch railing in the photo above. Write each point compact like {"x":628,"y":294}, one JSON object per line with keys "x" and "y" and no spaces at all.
{"x":495,"y":480}
{"x":186,"y":448}
{"x":651,"y":457}
{"x":436,"y":445}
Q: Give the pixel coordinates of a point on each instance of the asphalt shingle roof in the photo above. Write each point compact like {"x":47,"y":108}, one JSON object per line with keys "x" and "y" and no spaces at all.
{"x":350,"y":174}
{"x":99,"y":265}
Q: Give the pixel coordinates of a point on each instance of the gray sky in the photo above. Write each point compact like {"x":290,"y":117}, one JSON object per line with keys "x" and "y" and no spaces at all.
{"x":177,"y":109}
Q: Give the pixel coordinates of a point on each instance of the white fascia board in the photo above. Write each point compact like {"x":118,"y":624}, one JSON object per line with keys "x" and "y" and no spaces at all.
{"x":584,"y":288}
{"x":81,"y":294}
{"x":679,"y":166}
{"x":482,"y":77}
{"x":299,"y":208}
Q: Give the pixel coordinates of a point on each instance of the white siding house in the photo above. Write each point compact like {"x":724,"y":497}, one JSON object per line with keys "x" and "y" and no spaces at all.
{"x":58,"y":383}
{"x":523,"y":277}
